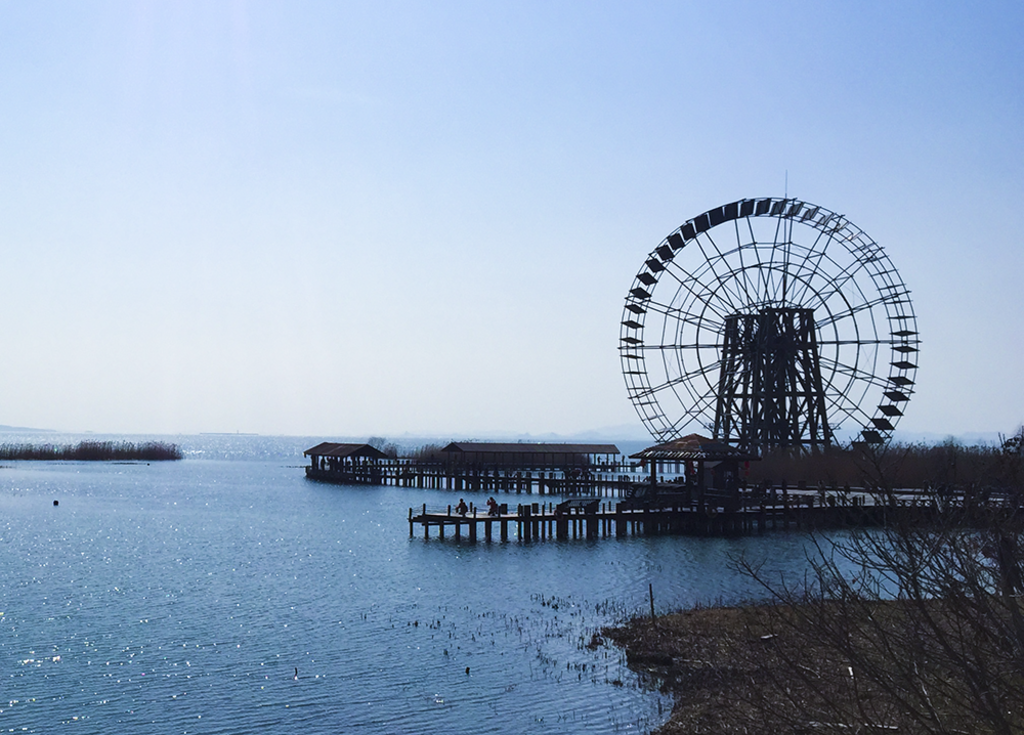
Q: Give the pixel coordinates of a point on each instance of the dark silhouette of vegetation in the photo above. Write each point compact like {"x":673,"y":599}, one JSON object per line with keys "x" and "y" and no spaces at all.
{"x":91,"y":451}
{"x":428,"y":454}
{"x":387,"y":447}
{"x":916,"y":627}
{"x":917,"y":466}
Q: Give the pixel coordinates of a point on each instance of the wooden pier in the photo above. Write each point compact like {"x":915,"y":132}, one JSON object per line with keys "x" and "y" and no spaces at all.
{"x":524,"y":482}
{"x":592,"y":518}
{"x":692,"y":486}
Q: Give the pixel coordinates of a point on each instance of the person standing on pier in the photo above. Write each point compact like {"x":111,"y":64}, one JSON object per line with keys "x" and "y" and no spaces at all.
{"x":462,"y":508}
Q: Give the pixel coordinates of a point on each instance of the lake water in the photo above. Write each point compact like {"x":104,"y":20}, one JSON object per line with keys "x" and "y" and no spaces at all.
{"x":181,"y":597}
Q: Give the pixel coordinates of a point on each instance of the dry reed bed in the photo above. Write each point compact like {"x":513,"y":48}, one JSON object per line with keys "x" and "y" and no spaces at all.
{"x":895,"y":466}
{"x":765,"y":669}
{"x":93,"y":451}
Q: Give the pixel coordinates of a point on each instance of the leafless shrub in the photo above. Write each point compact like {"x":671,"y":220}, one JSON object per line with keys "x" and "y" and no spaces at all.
{"x":914,"y":627}
{"x":428,"y":453}
{"x":917,"y":627}
{"x":389,"y":448}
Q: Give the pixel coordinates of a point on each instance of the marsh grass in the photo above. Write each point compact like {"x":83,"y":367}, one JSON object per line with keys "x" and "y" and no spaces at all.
{"x":92,"y":451}
{"x":917,"y":466}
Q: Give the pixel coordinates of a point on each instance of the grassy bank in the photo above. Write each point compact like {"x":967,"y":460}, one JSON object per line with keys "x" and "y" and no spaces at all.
{"x":93,"y":451}
{"x":769,"y":669}
{"x":704,"y":658}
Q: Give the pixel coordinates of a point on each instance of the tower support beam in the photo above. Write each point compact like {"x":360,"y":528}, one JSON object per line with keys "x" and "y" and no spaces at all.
{"x":770,"y":391}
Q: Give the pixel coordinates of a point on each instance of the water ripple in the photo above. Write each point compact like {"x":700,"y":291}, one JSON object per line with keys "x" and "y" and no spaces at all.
{"x":183,"y":597}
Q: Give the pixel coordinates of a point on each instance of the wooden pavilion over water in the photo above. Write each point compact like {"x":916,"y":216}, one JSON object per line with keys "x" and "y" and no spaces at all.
{"x":696,"y":453}
{"x":706,"y":469}
{"x":479,"y":466}
{"x":349,"y":463}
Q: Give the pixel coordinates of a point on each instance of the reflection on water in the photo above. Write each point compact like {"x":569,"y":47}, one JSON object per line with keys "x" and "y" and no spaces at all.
{"x":182,"y":597}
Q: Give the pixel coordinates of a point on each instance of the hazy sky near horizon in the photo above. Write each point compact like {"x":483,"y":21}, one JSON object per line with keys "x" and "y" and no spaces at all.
{"x":349,"y":218}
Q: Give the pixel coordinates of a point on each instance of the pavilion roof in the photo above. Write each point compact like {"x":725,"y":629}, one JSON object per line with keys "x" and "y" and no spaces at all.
{"x":341,"y":450}
{"x":692,"y":446}
{"x":530,"y":448}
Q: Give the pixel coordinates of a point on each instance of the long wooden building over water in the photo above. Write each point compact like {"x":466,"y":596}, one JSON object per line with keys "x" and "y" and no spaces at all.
{"x":485,"y":466}
{"x":521,"y":455}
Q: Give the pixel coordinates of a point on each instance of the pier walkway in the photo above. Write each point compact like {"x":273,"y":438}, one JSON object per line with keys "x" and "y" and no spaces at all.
{"x":543,"y":469}
{"x":716,"y":514}
{"x":606,"y":484}
{"x":592,"y":517}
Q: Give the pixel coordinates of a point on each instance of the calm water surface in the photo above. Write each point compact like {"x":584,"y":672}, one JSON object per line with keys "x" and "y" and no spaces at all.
{"x":181,"y":597}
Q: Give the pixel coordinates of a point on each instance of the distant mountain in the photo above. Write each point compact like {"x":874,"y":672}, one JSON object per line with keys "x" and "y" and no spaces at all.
{"x":23,"y":430}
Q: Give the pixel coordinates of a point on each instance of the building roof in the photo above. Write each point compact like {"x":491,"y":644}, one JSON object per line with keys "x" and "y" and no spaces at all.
{"x":333,"y":449}
{"x":692,"y":446}
{"x":530,"y":448}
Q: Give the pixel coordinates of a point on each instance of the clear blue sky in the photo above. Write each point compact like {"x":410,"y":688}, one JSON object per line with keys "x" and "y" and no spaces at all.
{"x":345,"y":218}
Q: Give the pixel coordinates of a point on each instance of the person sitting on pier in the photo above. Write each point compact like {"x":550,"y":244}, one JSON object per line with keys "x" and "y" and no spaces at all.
{"x":462,"y":509}
{"x":492,"y":507}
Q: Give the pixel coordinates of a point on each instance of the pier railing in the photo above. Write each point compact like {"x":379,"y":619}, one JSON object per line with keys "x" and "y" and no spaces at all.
{"x":592,"y":517}
{"x":610,"y":482}
{"x":713,"y":514}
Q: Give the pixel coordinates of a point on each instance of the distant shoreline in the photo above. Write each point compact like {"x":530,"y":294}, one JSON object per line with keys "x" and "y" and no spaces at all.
{"x":92,"y":451}
{"x":226,"y":433}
